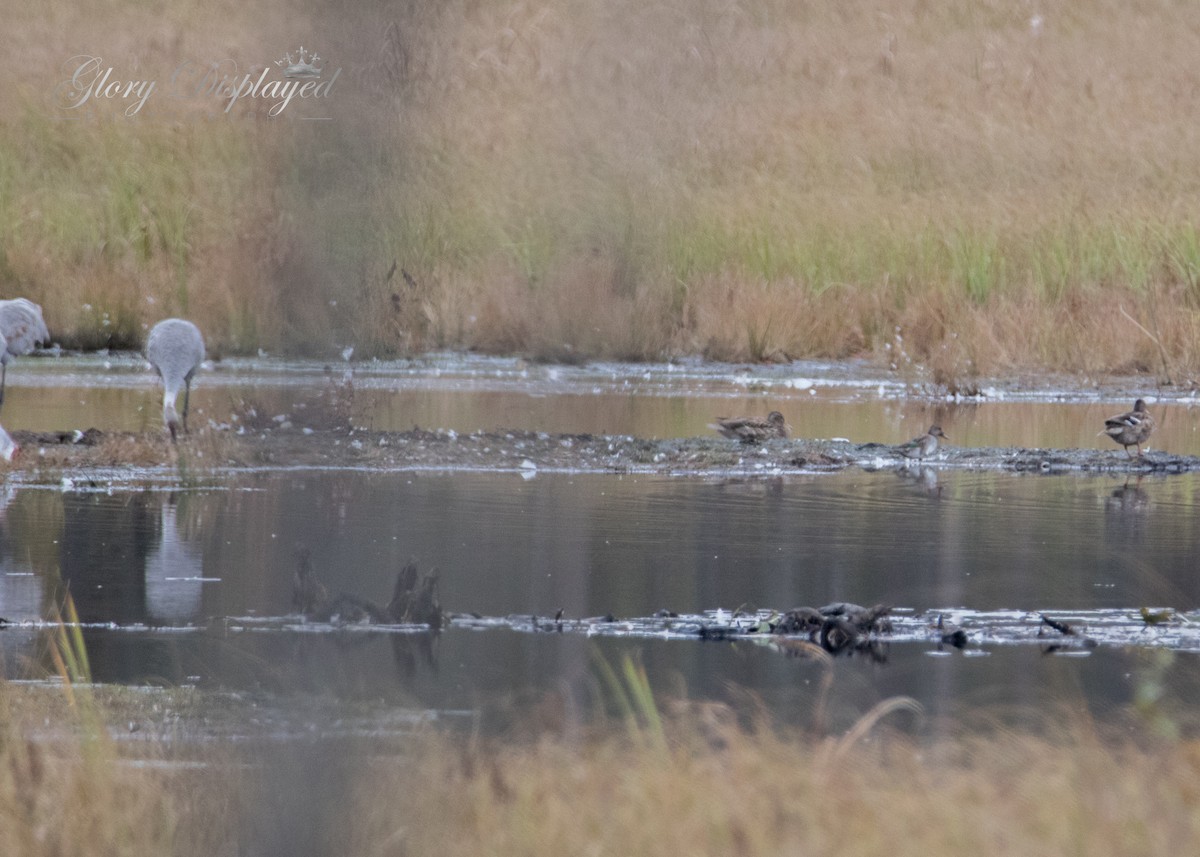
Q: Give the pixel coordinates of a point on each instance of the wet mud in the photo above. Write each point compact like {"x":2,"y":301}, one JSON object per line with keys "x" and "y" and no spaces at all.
{"x":527,"y":452}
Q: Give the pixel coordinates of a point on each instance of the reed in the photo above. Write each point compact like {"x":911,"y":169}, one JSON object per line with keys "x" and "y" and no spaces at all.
{"x":583,"y":179}
{"x":727,"y":790}
{"x":703,"y":777}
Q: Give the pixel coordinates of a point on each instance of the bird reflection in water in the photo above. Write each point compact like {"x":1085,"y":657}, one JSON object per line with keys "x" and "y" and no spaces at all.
{"x":174,"y":573}
{"x":926,"y":478}
{"x":1129,"y":498}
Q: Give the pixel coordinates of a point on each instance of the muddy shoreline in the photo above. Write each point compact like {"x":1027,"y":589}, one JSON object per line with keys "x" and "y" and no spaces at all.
{"x":50,"y":455}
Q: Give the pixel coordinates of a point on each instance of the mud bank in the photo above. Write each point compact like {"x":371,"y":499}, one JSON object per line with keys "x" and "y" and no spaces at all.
{"x":530,"y":452}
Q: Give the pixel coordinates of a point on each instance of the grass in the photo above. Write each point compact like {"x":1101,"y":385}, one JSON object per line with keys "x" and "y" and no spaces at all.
{"x":756,"y":792}
{"x":758,"y":182}
{"x":61,"y":772}
{"x":68,"y":786}
{"x":698,"y":782}
{"x":702,"y":777}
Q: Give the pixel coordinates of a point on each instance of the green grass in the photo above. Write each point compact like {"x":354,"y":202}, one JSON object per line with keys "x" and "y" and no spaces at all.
{"x":598,"y":181}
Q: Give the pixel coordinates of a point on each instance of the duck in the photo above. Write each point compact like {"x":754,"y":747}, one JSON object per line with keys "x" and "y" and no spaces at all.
{"x":951,"y":634}
{"x":1132,"y":428}
{"x":753,"y":429}
{"x":923,"y":446}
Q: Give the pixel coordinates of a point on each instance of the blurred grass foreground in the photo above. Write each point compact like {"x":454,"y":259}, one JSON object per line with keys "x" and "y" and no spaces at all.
{"x":75,"y":780}
{"x":973,"y":186}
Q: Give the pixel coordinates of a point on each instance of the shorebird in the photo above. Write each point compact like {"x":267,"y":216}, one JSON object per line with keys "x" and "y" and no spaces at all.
{"x":22,"y":327}
{"x":925,"y":445}
{"x":1130,"y":429}
{"x":175,"y":348}
{"x":752,"y":429}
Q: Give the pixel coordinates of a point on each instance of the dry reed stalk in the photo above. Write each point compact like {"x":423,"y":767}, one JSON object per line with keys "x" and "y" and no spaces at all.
{"x":573,"y":179}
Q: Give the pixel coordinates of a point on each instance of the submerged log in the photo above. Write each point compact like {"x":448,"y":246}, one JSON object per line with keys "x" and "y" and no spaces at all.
{"x":415,"y":598}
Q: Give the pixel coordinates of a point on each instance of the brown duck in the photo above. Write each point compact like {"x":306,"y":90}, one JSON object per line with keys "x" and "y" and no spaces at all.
{"x":1132,"y":428}
{"x":923,"y":446}
{"x":753,"y":429}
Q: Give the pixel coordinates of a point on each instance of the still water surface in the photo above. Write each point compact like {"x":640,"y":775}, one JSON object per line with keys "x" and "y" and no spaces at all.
{"x":163,"y":567}
{"x":467,"y":394}
{"x":156,"y":570}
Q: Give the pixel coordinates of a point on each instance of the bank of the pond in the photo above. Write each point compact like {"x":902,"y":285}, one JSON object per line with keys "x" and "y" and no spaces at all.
{"x":49,"y":455}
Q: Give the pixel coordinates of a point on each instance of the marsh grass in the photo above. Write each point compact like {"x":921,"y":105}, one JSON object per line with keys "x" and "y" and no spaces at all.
{"x":64,"y":785}
{"x":758,"y":791}
{"x":67,"y":649}
{"x":751,"y":182}
{"x":704,"y":778}
{"x":68,"y":787}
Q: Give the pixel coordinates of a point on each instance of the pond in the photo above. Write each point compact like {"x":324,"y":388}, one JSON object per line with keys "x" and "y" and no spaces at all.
{"x":171,"y":583}
{"x":470,"y":393}
{"x":186,"y":585}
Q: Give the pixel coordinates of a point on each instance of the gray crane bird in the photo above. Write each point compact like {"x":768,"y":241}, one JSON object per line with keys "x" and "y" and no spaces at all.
{"x":8,"y":446}
{"x":175,"y":348}
{"x":23,"y":329}
{"x":1130,"y":429}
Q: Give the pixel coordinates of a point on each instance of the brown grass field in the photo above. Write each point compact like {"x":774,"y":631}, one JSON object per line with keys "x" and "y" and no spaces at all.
{"x":697,"y":783}
{"x":983,"y":186}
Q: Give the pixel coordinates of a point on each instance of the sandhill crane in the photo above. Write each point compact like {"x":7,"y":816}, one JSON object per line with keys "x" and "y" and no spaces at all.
{"x":8,"y":446}
{"x":23,"y":327}
{"x":175,"y":348}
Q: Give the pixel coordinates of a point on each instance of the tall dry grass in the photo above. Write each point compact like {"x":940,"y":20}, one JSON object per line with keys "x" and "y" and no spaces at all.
{"x":757,"y":793}
{"x":694,"y":781}
{"x":1000,"y":185}
{"x":67,"y":787}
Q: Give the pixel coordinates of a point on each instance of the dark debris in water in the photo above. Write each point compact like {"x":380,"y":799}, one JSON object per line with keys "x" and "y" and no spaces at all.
{"x":415,"y":599}
{"x":75,"y":437}
{"x":840,"y":628}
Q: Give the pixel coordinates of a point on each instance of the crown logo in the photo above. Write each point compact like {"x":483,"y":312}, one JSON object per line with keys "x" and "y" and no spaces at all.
{"x":305,"y":66}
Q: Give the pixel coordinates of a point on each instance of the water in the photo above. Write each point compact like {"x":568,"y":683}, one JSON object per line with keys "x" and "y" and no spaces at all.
{"x":179,"y":587}
{"x":164,"y":567}
{"x":466,"y":394}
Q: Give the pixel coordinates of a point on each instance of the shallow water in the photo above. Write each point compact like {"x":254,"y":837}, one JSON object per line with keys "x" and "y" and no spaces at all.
{"x":162,"y":568}
{"x":468,"y":393}
{"x":181,"y":587}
